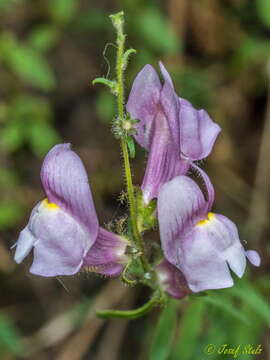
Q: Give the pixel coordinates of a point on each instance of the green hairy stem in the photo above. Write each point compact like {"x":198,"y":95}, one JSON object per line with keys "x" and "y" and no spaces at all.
{"x":118,"y":22}
{"x":140,"y":218}
{"x":135,"y":313}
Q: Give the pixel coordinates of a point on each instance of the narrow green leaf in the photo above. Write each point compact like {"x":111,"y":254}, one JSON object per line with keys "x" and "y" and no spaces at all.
{"x":226,"y":304}
{"x":251,"y":296}
{"x":43,"y":38}
{"x":31,"y":66}
{"x":127,"y":55}
{"x":242,"y":334}
{"x":163,"y":334}
{"x":154,"y":30}
{"x":110,"y":83}
{"x":131,"y":147}
{"x":190,"y":326}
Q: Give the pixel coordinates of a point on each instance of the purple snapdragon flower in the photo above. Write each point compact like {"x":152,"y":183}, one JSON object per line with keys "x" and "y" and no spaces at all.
{"x":63,"y":229}
{"x":204,"y":246}
{"x":169,"y":127}
{"x":171,"y":280}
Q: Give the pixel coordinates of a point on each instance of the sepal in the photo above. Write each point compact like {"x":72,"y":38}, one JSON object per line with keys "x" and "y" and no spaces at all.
{"x":147,"y":215}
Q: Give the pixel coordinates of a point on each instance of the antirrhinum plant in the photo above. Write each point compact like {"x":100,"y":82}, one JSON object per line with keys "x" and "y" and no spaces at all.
{"x":198,"y":248}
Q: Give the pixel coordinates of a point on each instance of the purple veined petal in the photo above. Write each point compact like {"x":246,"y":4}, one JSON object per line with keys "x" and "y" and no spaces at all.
{"x":61,"y":242}
{"x":206,"y":253}
{"x":170,"y":104}
{"x":208,"y":185}
{"x":66,"y":184}
{"x":200,"y":261}
{"x":163,"y":162}
{"x":181,"y":205}
{"x":107,"y":255}
{"x":172,"y":280}
{"x":198,"y":132}
{"x":143,"y":103}
{"x":253,"y":257}
{"x":223,"y":234}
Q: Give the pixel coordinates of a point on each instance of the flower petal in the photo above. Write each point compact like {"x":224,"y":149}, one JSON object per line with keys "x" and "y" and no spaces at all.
{"x":200,"y":262}
{"x":143,"y":103}
{"x":253,"y":257}
{"x":24,"y":245}
{"x":170,"y":104}
{"x":163,"y":162}
{"x":198,"y":132}
{"x":61,"y":242}
{"x":205,"y":253}
{"x":180,"y":205}
{"x":65,"y":182}
{"x":210,"y":192}
{"x":172,"y":280}
{"x":111,"y":270}
{"x":109,"y":248}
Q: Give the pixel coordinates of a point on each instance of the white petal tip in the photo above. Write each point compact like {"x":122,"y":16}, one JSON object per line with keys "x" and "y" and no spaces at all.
{"x":24,"y":244}
{"x":253,"y":257}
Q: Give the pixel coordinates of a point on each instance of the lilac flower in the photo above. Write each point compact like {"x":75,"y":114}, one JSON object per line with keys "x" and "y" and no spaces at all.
{"x":63,"y":229}
{"x":171,"y":280}
{"x":201,"y":244}
{"x":170,"y":128}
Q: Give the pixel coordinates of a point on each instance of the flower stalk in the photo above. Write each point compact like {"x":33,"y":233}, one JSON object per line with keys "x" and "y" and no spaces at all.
{"x":155,"y":300}
{"x":121,"y":60}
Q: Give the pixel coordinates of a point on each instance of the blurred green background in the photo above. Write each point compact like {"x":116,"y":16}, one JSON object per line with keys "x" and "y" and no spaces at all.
{"x":218,"y":52}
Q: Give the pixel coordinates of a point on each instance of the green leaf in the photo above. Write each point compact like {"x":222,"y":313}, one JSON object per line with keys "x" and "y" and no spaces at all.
{"x":126,"y":56}
{"x":29,"y":65}
{"x":12,"y":136}
{"x":33,"y":68}
{"x":43,"y":38}
{"x":131,"y":147}
{"x":62,"y":11}
{"x":112,"y":85}
{"x":154,"y":30}
{"x":263,"y":10}
{"x":163,"y":334}
{"x":251,"y":296}
{"x":190,"y":326}
{"x":226,"y":304}
{"x":243,"y":334}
